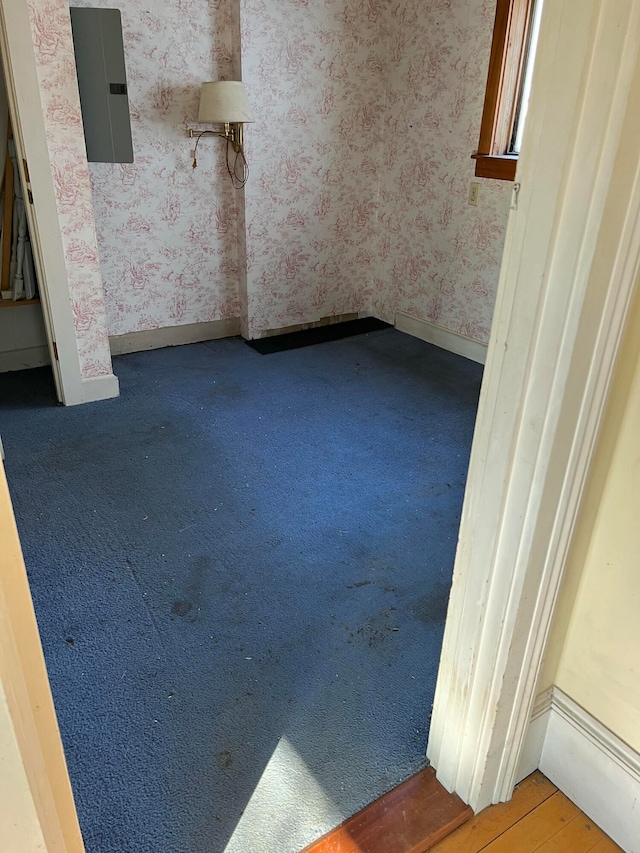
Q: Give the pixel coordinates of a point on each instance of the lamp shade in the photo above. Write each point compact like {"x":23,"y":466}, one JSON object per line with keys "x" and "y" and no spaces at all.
{"x":223,"y":101}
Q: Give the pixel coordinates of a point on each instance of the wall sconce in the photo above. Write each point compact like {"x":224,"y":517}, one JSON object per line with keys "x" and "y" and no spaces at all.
{"x":225,"y":102}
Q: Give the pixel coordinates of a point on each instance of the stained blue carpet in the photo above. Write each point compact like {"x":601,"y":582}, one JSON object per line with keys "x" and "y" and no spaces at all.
{"x":242,"y":553}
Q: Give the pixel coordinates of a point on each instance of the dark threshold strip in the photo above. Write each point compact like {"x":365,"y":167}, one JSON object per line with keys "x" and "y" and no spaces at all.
{"x":318,"y":335}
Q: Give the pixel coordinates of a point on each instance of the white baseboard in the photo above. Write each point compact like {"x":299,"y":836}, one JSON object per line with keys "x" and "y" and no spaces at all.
{"x":441,"y":337}
{"x":536,"y":733}
{"x":172,"y":336}
{"x":99,"y":388}
{"x":592,"y":766}
{"x":24,"y":359}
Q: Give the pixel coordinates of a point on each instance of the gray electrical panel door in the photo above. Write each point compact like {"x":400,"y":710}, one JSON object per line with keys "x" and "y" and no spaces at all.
{"x":102,"y":80}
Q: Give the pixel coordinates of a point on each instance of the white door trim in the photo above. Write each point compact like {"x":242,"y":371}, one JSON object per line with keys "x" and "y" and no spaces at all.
{"x":29,"y":131}
{"x":560,"y":313}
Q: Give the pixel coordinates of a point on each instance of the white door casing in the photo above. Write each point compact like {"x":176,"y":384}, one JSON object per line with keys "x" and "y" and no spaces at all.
{"x":30,"y":134}
{"x":31,"y":144}
{"x":559,"y":317}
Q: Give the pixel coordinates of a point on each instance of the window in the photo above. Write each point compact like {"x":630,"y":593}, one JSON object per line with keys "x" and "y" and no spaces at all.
{"x":515,"y":37}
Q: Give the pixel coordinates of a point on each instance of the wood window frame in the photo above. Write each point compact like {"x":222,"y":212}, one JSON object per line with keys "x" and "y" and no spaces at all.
{"x":506,"y":67}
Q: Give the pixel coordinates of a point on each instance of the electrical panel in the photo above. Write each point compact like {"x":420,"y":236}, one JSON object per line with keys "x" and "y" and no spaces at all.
{"x":102,"y":80}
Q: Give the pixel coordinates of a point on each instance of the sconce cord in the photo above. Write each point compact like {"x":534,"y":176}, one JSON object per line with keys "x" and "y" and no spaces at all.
{"x":238,"y":178}
{"x":200,"y":135}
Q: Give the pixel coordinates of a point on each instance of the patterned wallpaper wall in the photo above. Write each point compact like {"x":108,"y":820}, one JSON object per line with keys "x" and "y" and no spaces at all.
{"x":167,"y":233}
{"x":61,"y":106}
{"x":439,"y":257}
{"x":366,"y":113}
{"x":315,"y":73}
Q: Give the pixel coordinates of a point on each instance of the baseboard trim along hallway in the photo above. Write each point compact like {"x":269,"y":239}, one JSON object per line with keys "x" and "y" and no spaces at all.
{"x":441,"y":337}
{"x":594,"y":768}
{"x":409,"y":819}
{"x":24,"y":359}
{"x":537,"y":819}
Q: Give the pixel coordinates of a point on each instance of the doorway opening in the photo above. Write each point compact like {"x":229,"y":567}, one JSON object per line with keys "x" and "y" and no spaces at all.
{"x":379,"y":617}
{"x":551,"y":304}
{"x":23,"y":335}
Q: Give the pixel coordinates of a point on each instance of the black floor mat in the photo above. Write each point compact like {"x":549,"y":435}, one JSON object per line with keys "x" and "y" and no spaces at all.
{"x":318,"y":335}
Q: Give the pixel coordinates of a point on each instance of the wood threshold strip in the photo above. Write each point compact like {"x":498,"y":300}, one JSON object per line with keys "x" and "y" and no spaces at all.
{"x":409,"y":819}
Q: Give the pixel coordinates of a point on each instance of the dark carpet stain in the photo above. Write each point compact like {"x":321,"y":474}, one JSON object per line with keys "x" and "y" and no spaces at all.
{"x":432,"y":607}
{"x":226,"y":391}
{"x":224,"y":759}
{"x":181,"y":608}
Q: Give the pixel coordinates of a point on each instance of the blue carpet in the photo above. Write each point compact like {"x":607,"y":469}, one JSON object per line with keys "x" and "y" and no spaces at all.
{"x":242,"y":554}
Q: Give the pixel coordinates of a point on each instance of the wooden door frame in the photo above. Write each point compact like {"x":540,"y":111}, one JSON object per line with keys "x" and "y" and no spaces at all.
{"x":562,"y":303}
{"x":39,"y":808}
{"x":566,"y":282}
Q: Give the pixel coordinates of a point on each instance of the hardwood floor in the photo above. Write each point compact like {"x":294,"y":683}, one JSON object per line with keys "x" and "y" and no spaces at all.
{"x":415,"y":815}
{"x":412,"y":817}
{"x":539,"y":818}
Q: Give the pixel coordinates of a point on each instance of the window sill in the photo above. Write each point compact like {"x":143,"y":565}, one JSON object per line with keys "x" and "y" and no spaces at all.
{"x":499,"y":167}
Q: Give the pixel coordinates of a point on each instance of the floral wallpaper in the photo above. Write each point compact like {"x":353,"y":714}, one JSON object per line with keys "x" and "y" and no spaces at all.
{"x":316,"y":73}
{"x":439,"y":257}
{"x":167,"y":233}
{"x":366,"y":113}
{"x":61,"y":106}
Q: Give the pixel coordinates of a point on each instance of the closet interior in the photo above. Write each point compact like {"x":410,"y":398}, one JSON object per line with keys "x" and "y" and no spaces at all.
{"x":23,"y":339}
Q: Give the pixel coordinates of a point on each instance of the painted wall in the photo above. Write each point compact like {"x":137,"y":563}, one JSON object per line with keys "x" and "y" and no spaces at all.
{"x":23,"y":340}
{"x":37,"y":810}
{"x":593,"y":652}
{"x":167,"y":234}
{"x":55,"y":63}
{"x":21,"y":828}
